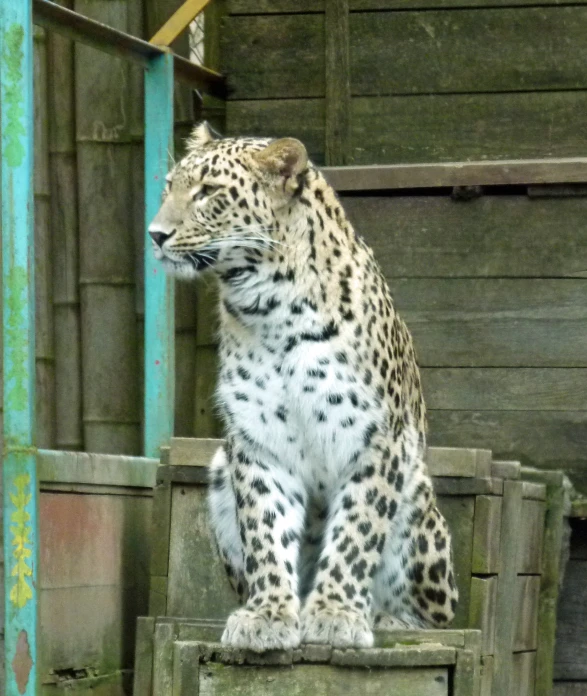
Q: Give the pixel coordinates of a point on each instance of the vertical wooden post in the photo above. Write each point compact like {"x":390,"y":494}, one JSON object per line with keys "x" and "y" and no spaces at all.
{"x":337,"y":78}
{"x":19,"y":471}
{"x":159,"y":292}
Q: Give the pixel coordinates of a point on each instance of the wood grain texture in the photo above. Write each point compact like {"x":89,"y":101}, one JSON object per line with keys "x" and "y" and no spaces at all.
{"x":420,"y":236}
{"x":405,"y":53}
{"x":526,"y":604}
{"x":337,"y":79}
{"x":524,"y":673}
{"x":302,"y":6}
{"x":487,"y":534}
{"x":444,"y":128}
{"x":571,"y":637}
{"x":546,"y":439}
{"x":493,"y":323}
{"x":482,"y":610}
{"x":198,"y":588}
{"x":505,"y":389}
{"x":328,"y":680}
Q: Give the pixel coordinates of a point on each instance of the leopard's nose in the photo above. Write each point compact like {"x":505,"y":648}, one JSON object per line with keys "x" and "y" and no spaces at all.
{"x":159,"y":237}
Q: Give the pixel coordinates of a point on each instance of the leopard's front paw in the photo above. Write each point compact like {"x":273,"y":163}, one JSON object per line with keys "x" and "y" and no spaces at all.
{"x":259,"y":631}
{"x":339,"y":627}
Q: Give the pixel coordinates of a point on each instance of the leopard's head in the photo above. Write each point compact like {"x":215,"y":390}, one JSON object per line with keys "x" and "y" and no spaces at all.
{"x":222,"y":200}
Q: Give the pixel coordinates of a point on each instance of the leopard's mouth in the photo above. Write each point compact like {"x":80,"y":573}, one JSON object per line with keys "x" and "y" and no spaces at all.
{"x":201,"y":260}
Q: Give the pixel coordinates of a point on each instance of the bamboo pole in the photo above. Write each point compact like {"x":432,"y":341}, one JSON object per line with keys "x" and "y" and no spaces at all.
{"x":44,"y":344}
{"x":20,"y":485}
{"x":64,"y":230}
{"x":110,"y":376}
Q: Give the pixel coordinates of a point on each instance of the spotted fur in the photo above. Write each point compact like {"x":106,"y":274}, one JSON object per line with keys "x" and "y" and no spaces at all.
{"x":321,"y":504}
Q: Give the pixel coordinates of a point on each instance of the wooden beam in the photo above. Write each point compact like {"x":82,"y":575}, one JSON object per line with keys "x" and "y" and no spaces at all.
{"x":178,"y":22}
{"x":449,"y":174}
{"x":80,"y":28}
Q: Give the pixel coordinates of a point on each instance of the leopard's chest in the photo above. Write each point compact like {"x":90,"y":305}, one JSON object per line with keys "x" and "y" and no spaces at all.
{"x":304,"y":409}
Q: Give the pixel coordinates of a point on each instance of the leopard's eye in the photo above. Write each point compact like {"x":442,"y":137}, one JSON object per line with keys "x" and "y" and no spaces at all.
{"x":204,"y":191}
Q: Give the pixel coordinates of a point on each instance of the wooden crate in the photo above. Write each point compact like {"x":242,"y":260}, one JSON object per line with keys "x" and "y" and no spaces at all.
{"x":95,"y":526}
{"x":506,"y":524}
{"x":183,"y":657}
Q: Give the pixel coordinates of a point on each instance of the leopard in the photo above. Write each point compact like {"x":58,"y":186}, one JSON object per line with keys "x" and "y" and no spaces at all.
{"x":320,"y":502}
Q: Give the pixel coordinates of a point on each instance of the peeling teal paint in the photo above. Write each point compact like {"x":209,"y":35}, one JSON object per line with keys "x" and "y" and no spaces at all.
{"x":16,"y":372}
{"x":12,"y":126}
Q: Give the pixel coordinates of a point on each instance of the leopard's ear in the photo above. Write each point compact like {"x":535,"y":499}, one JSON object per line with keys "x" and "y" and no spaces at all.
{"x":200,"y":136}
{"x":283,"y":160}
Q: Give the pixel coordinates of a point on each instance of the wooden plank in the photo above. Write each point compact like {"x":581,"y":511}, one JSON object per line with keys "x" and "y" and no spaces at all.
{"x":161,"y":522}
{"x":451,"y":461}
{"x":303,"y":6}
{"x":143,"y":665}
{"x":482,"y":610}
{"x":450,"y":637}
{"x":487,"y":675}
{"x":507,"y":470}
{"x":531,"y":537}
{"x":447,"y":486}
{"x":96,"y":469}
{"x":186,"y":668}
{"x":571,"y":637}
{"x":158,"y":595}
{"x":198,"y":584}
{"x":178,"y":22}
{"x":299,"y":118}
{"x":505,"y":619}
{"x":579,"y":508}
{"x":435,"y":52}
{"x":500,"y":172}
{"x":570,"y":688}
{"x":524,"y":673}
{"x":490,"y":126}
{"x":534,"y":491}
{"x":296,"y":44}
{"x":407,"y":53}
{"x":328,"y":680}
{"x":495,"y":323}
{"x":459,"y":514}
{"x":425,"y":655}
{"x":496,"y":389}
{"x":189,"y":451}
{"x":526,"y":598}
{"x":466,"y":678}
{"x":486,"y":535}
{"x":545,"y":439}
{"x":163,"y":659}
{"x":337,"y":81}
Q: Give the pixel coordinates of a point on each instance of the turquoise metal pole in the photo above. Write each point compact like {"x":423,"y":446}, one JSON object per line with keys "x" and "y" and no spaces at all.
{"x":21,"y":538}
{"x":159,"y":304}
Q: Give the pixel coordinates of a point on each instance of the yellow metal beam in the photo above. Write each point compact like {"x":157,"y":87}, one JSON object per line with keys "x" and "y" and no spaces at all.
{"x":178,"y":21}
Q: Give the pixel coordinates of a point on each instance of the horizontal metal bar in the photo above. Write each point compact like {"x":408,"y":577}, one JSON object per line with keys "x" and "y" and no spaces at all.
{"x":88,"y":31}
{"x":493,"y":173}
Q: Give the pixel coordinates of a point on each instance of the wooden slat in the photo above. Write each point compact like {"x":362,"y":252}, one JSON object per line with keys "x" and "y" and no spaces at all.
{"x":505,"y":389}
{"x":178,"y":22}
{"x":440,"y":128}
{"x":546,"y":439}
{"x":198,"y":584}
{"x":444,"y":128}
{"x":301,"y":6}
{"x":486,"y":534}
{"x":459,"y":514}
{"x":143,"y":665}
{"x":482,"y":610}
{"x":505,"y":620}
{"x":470,"y":51}
{"x":422,"y":236}
{"x":526,"y":606}
{"x":571,"y":637}
{"x":531,"y":537}
{"x":524,"y":674}
{"x":494,"y":323}
{"x":337,"y":79}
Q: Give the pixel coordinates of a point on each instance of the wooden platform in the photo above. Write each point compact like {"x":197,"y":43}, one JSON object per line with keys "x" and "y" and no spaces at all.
{"x":183,"y":658}
{"x":506,"y":523}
